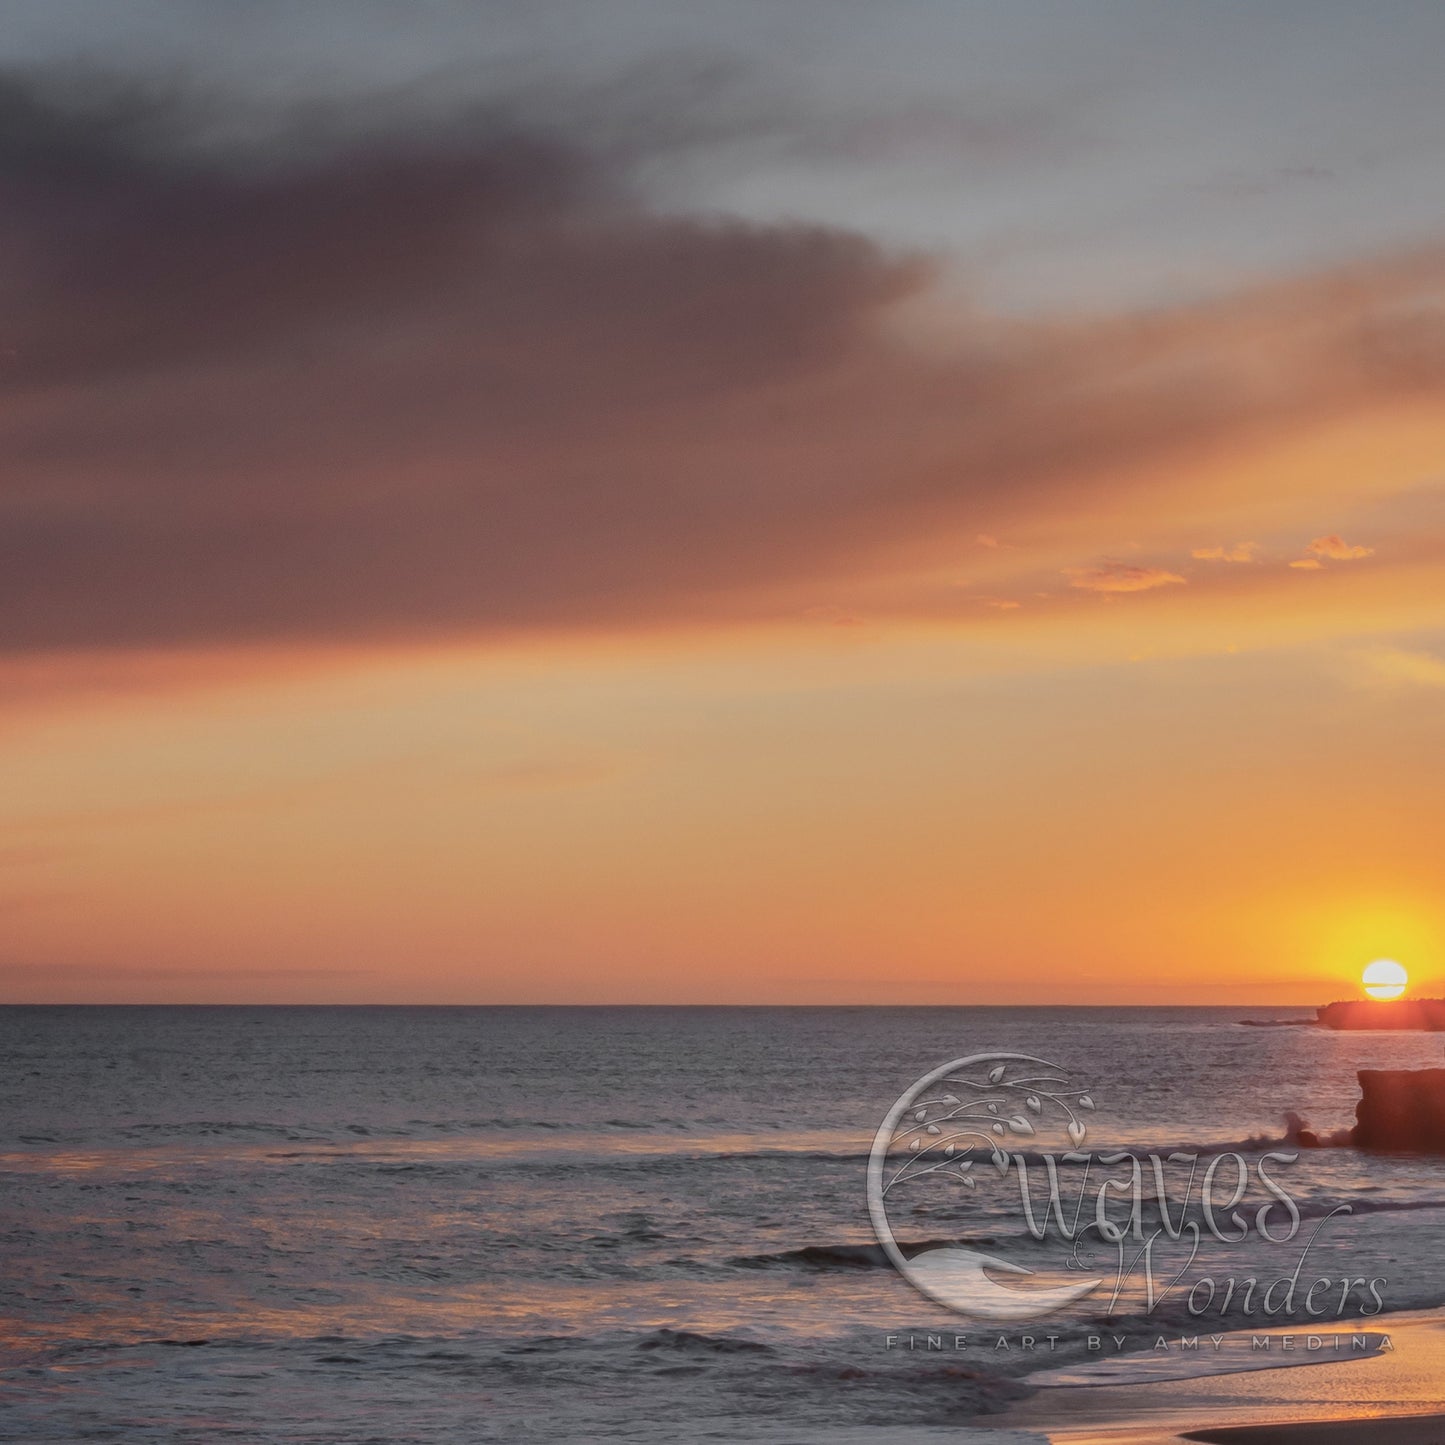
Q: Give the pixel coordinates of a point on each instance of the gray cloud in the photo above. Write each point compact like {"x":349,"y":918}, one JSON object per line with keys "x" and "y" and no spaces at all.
{"x":356,"y":380}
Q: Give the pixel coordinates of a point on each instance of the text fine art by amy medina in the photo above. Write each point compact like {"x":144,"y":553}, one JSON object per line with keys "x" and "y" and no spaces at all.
{"x":721,"y":722}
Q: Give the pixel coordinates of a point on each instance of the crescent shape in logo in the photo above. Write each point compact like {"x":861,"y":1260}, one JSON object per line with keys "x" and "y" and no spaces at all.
{"x":952,"y":1274}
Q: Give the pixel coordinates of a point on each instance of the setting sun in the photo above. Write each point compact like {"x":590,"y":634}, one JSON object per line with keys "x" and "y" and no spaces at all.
{"x":1385,"y":978}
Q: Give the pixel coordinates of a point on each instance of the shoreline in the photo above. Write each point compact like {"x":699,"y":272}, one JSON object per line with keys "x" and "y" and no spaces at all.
{"x":1384,"y":1429}
{"x":1321,"y":1401}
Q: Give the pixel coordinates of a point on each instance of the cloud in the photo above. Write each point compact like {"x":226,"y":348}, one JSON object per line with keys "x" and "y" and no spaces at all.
{"x":1392,"y":666}
{"x":1240,"y":552}
{"x":361,"y":381}
{"x":832,"y":616}
{"x":1308,"y":564}
{"x":1120,"y":577}
{"x":111,"y":973}
{"x":1336,"y":548}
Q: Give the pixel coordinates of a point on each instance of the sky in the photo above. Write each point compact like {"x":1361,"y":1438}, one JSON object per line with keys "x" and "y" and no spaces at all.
{"x":673,"y":503}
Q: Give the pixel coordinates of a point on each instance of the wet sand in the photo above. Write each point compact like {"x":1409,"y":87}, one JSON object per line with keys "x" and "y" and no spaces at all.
{"x":1393,"y":1398}
{"x":1401,"y":1430}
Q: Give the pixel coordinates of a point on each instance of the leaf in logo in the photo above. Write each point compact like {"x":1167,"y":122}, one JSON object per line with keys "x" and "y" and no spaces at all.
{"x":1033,"y":1104}
{"x":1020,"y":1125}
{"x":1077,"y":1131}
{"x":1085,"y":1102}
{"x":995,"y":1073}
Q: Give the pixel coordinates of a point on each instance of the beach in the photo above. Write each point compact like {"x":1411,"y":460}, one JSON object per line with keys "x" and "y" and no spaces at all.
{"x":1392,"y":1398}
{"x":1402,"y":1430}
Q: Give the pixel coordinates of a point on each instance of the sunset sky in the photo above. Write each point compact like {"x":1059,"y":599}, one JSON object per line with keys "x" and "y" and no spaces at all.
{"x":746,"y":503}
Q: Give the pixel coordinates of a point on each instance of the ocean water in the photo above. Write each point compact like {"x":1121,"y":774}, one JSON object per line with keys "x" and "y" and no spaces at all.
{"x":646,"y":1224}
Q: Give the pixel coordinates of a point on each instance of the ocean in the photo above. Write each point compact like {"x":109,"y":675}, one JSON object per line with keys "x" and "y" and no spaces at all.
{"x":636,"y":1224}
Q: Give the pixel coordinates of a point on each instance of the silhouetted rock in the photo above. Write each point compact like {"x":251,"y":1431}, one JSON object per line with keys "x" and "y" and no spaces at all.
{"x":1401,"y":1110}
{"x":1423,"y":1015}
{"x":1298,"y":1132}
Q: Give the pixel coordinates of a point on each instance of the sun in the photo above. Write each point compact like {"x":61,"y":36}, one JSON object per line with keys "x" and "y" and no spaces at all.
{"x":1385,"y":978}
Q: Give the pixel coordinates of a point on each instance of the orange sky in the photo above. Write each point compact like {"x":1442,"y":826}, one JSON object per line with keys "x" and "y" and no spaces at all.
{"x":450,"y":566}
{"x":1223,"y":789}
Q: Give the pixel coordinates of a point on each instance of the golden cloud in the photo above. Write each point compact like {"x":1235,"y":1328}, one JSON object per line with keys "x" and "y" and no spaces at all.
{"x":1240,"y":552}
{"x":1393,"y":666}
{"x":1120,"y":577}
{"x":1337,"y":549}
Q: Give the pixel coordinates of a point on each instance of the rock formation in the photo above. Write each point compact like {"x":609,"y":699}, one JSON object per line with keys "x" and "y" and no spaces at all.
{"x":1423,"y":1015}
{"x":1401,"y":1111}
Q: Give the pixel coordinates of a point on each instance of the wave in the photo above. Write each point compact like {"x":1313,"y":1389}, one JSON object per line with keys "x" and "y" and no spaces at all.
{"x":687,"y":1342}
{"x":1319,"y":1209}
{"x":223,"y":1129}
{"x":841,"y":1256}
{"x":818,"y":1256}
{"x":631,"y":1143}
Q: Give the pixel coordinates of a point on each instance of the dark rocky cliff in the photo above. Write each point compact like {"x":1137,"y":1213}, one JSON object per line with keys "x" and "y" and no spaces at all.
{"x":1401,"y":1110}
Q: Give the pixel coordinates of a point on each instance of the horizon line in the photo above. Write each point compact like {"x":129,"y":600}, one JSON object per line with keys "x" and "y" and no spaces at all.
{"x":182,"y":1003}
